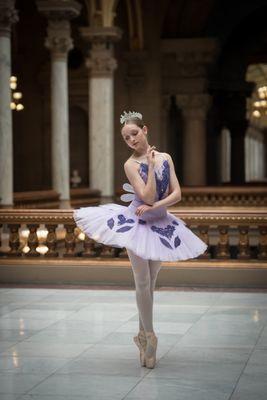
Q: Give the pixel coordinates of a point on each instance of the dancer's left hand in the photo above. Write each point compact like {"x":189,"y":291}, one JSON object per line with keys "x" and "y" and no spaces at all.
{"x":141,"y":209}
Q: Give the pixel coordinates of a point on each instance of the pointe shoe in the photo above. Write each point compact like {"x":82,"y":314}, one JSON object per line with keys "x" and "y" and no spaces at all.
{"x":140,"y":341}
{"x":151,"y":348}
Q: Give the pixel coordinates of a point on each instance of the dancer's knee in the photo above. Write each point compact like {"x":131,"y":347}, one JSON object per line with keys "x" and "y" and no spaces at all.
{"x":154,"y":270}
{"x":141,"y":271}
{"x":142,"y":282}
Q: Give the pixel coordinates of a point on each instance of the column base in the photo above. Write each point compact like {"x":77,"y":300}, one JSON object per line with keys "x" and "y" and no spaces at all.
{"x":64,"y":204}
{"x":107,"y":199}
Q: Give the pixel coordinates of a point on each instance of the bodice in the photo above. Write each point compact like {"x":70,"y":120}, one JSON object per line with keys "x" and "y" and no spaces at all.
{"x":162,"y":176}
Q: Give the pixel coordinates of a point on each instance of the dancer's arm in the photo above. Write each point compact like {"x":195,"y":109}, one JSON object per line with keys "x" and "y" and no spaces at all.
{"x":174,"y":188}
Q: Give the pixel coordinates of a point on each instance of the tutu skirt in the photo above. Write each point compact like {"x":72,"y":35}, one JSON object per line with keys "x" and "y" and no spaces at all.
{"x":156,"y":235}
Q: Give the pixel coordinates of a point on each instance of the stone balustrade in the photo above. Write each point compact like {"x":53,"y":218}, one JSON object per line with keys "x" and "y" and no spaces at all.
{"x":218,"y":196}
{"x":233,"y":196}
{"x":232,"y":233}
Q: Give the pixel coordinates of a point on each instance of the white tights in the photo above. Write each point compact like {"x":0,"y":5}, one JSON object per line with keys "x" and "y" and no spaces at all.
{"x":145,"y":275}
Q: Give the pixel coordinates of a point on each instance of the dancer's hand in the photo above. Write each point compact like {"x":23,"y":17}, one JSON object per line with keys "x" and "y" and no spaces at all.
{"x":141,"y":209}
{"x":150,"y":154}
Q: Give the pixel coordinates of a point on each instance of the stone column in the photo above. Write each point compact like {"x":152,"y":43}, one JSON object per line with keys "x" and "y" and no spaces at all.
{"x":225,"y":155}
{"x":186,"y":67}
{"x":101,"y":65}
{"x":59,"y":43}
{"x":194,"y":108}
{"x":8,"y":16}
{"x":233,"y":96}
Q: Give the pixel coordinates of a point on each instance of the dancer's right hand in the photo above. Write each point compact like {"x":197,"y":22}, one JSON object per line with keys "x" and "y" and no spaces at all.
{"x":150,"y":154}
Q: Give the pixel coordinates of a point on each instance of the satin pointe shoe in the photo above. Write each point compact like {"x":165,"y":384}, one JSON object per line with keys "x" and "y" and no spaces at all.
{"x":140,"y":341}
{"x":151,"y":348}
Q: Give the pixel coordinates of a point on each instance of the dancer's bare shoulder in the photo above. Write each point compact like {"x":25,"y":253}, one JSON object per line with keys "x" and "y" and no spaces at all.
{"x":131,"y":164}
{"x":132,"y":159}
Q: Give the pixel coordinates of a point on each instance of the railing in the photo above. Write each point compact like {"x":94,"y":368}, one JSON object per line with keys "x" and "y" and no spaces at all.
{"x":233,"y":196}
{"x":218,"y":196}
{"x":231,"y":233}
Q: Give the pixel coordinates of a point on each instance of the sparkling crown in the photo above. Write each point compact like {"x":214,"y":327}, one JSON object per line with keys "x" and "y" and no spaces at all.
{"x":131,"y":114}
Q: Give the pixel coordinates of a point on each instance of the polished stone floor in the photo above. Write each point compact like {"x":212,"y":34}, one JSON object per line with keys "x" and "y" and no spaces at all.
{"x":73,"y":344}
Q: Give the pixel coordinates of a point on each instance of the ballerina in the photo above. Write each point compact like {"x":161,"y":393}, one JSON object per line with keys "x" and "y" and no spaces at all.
{"x":145,"y":228}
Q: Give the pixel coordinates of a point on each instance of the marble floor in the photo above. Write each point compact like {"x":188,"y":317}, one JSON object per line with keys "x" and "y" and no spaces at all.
{"x":63,"y":343}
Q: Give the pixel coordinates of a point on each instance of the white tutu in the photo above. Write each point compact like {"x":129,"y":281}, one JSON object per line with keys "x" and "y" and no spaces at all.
{"x":156,"y":235}
{"x":164,"y":237}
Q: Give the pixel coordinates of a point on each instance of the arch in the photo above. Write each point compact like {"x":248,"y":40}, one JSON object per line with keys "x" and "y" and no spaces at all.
{"x":102,"y":13}
{"x":135,"y":23}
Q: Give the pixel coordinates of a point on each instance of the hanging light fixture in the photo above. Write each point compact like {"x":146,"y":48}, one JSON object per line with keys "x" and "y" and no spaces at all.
{"x":15,"y":103}
{"x":260,"y":105}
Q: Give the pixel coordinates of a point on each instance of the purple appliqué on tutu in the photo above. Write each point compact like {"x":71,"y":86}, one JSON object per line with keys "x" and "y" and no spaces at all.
{"x":121,"y":221}
{"x":168,"y":233}
{"x":142,"y":221}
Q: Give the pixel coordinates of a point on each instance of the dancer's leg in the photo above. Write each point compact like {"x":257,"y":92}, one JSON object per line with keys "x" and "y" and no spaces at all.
{"x":141,"y":272}
{"x":154,"y":268}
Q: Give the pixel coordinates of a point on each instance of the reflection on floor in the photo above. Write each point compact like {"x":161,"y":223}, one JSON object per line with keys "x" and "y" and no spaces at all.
{"x":77,"y":344}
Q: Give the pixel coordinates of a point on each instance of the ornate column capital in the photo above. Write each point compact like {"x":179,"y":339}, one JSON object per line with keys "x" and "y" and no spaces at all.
{"x":59,"y":13}
{"x":58,"y":39}
{"x":8,"y":16}
{"x":101,"y":61}
{"x":194,"y":106}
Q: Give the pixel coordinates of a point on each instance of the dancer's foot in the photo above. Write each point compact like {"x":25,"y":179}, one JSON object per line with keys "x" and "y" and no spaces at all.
{"x":140,"y":341}
{"x":151,"y":348}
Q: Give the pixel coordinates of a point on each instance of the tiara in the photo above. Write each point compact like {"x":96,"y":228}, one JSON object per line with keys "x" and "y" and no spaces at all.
{"x":131,"y":114}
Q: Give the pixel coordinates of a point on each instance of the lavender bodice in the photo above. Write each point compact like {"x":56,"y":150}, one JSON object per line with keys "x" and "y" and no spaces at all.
{"x":162,"y":176}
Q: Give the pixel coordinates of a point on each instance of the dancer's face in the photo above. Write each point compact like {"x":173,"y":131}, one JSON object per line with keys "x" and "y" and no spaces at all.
{"x":134,"y":136}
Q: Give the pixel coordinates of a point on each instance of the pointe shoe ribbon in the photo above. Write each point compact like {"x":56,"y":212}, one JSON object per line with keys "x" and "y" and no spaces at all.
{"x":151,"y":348}
{"x":140,"y":341}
